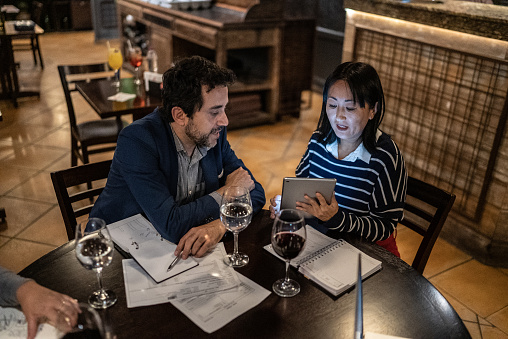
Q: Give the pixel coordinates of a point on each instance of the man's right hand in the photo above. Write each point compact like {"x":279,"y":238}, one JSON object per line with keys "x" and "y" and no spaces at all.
{"x":240,"y":177}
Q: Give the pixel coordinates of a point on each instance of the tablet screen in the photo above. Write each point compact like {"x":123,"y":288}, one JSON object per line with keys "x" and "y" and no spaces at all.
{"x":294,"y":189}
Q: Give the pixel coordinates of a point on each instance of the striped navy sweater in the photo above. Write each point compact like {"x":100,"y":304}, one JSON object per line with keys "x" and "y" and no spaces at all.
{"x":370,"y":195}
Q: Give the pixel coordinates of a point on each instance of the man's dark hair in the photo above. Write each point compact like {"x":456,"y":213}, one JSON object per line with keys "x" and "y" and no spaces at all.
{"x":182,"y":84}
{"x":365,"y":85}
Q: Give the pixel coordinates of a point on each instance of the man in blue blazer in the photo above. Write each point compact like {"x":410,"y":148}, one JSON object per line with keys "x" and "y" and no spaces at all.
{"x":173,"y":165}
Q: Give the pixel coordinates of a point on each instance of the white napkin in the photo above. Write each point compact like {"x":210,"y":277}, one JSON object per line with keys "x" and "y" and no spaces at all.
{"x":121,"y":97}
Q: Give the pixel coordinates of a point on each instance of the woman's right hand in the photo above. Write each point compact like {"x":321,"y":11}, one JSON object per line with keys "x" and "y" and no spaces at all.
{"x":274,"y":205}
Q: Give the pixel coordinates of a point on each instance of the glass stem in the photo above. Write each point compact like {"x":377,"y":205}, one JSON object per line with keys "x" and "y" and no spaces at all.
{"x":235,"y":252}
{"x":117,"y":75}
{"x":99,"y":280}
{"x":286,"y":280}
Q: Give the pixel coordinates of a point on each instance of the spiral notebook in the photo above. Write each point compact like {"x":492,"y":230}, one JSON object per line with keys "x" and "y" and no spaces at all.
{"x":331,"y":263}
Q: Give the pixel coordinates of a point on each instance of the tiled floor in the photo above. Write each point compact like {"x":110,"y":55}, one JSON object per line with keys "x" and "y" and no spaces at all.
{"x":34,"y":140}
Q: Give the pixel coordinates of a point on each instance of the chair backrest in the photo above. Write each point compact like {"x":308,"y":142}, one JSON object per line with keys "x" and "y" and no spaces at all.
{"x":74,"y":197}
{"x":425,"y":212}
{"x":70,"y":74}
{"x":37,"y":8}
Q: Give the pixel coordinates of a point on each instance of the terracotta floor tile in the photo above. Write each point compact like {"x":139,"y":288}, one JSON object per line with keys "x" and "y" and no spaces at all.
{"x":13,"y":176}
{"x":4,"y":240}
{"x":59,"y":138}
{"x":500,"y":319}
{"x":464,"y":313}
{"x":49,"y":229}
{"x":481,"y":288}
{"x":20,"y":214}
{"x":39,"y":187}
{"x":48,"y":118}
{"x":26,"y":252}
{"x":35,"y":157}
{"x":474,"y":330}
{"x":490,"y":332}
{"x":21,"y":134}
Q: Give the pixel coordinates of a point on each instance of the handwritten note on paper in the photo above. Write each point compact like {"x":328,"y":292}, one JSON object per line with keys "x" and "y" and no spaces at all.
{"x":214,"y":310}
{"x":210,"y":276}
{"x":13,"y":326}
{"x":137,"y":236}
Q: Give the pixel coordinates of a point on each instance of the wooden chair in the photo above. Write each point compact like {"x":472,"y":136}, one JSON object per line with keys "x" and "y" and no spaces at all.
{"x":425,"y":212}
{"x":31,"y":43}
{"x":97,"y":133}
{"x":74,"y":198}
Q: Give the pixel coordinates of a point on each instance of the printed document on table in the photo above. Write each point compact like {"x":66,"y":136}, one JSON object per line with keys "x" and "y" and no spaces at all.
{"x":210,"y":276}
{"x":214,"y":310}
{"x":13,"y":326}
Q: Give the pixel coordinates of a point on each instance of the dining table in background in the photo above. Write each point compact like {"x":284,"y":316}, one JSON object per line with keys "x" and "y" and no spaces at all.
{"x":96,"y":93}
{"x":397,"y":300}
{"x":10,"y":79}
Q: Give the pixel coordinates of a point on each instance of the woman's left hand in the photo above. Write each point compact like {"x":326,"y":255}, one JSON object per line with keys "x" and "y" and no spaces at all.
{"x":319,"y":207}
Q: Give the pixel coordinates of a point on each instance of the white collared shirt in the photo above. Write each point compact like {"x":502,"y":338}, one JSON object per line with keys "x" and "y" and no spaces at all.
{"x":359,"y":153}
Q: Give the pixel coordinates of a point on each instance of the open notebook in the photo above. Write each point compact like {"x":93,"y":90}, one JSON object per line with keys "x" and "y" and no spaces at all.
{"x":137,"y":236}
{"x":331,"y":263}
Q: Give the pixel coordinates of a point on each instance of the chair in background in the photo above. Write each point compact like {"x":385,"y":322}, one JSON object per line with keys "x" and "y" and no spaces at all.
{"x":425,"y":212}
{"x":79,"y":200}
{"x":31,"y":43}
{"x":97,"y":133}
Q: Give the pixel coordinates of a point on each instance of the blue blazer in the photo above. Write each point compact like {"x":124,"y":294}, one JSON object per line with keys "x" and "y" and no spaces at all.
{"x":144,"y":177}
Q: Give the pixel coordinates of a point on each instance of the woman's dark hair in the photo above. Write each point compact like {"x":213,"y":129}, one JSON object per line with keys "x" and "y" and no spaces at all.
{"x":364,"y":83}
{"x":181,"y":84}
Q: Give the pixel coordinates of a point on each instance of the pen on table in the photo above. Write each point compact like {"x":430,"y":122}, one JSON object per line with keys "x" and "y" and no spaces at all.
{"x":174,"y":262}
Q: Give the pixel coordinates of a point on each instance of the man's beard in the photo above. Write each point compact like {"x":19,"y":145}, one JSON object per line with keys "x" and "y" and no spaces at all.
{"x":200,"y":139}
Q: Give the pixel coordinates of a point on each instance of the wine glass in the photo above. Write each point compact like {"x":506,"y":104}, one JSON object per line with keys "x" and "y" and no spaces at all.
{"x":236,"y":214}
{"x":136,"y":58}
{"x":288,"y":241}
{"x":94,"y":249}
{"x":115,"y":61}
{"x":88,"y":325}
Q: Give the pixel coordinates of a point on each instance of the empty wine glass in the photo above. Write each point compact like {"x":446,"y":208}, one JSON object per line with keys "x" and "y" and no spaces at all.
{"x":288,"y":241}
{"x":136,"y":58}
{"x":115,"y":61}
{"x":89,"y":325}
{"x":236,"y":214}
{"x":94,"y":250}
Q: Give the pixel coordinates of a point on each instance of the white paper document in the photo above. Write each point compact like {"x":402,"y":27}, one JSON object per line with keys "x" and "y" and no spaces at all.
{"x":13,"y":326}
{"x":213,"y":311}
{"x":137,"y":236}
{"x":210,"y":276}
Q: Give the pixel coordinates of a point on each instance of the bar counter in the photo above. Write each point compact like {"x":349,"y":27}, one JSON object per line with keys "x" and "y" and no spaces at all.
{"x":444,"y":69}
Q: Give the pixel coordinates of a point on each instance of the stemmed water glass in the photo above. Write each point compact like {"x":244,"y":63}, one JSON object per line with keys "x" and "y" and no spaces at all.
{"x":288,"y":241}
{"x":236,"y":215}
{"x":115,"y":61}
{"x":136,"y":58}
{"x":94,"y":250}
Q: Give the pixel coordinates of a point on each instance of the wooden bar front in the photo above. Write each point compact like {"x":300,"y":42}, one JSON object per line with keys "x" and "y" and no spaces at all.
{"x":268,"y":43}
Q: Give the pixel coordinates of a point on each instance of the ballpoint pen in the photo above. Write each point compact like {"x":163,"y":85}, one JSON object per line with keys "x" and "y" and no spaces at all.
{"x":174,"y":262}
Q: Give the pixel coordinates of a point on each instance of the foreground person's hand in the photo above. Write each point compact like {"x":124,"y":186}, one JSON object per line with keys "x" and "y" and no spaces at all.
{"x":40,"y":305}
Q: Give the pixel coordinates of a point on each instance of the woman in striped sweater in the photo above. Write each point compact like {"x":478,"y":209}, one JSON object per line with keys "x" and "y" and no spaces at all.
{"x":348,"y":145}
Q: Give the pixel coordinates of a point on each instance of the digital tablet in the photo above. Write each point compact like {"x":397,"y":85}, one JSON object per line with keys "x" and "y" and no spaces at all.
{"x":294,"y":189}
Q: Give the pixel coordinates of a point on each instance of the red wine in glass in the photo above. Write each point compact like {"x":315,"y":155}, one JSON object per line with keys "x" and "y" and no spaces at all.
{"x":288,"y":245}
{"x":288,"y":241}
